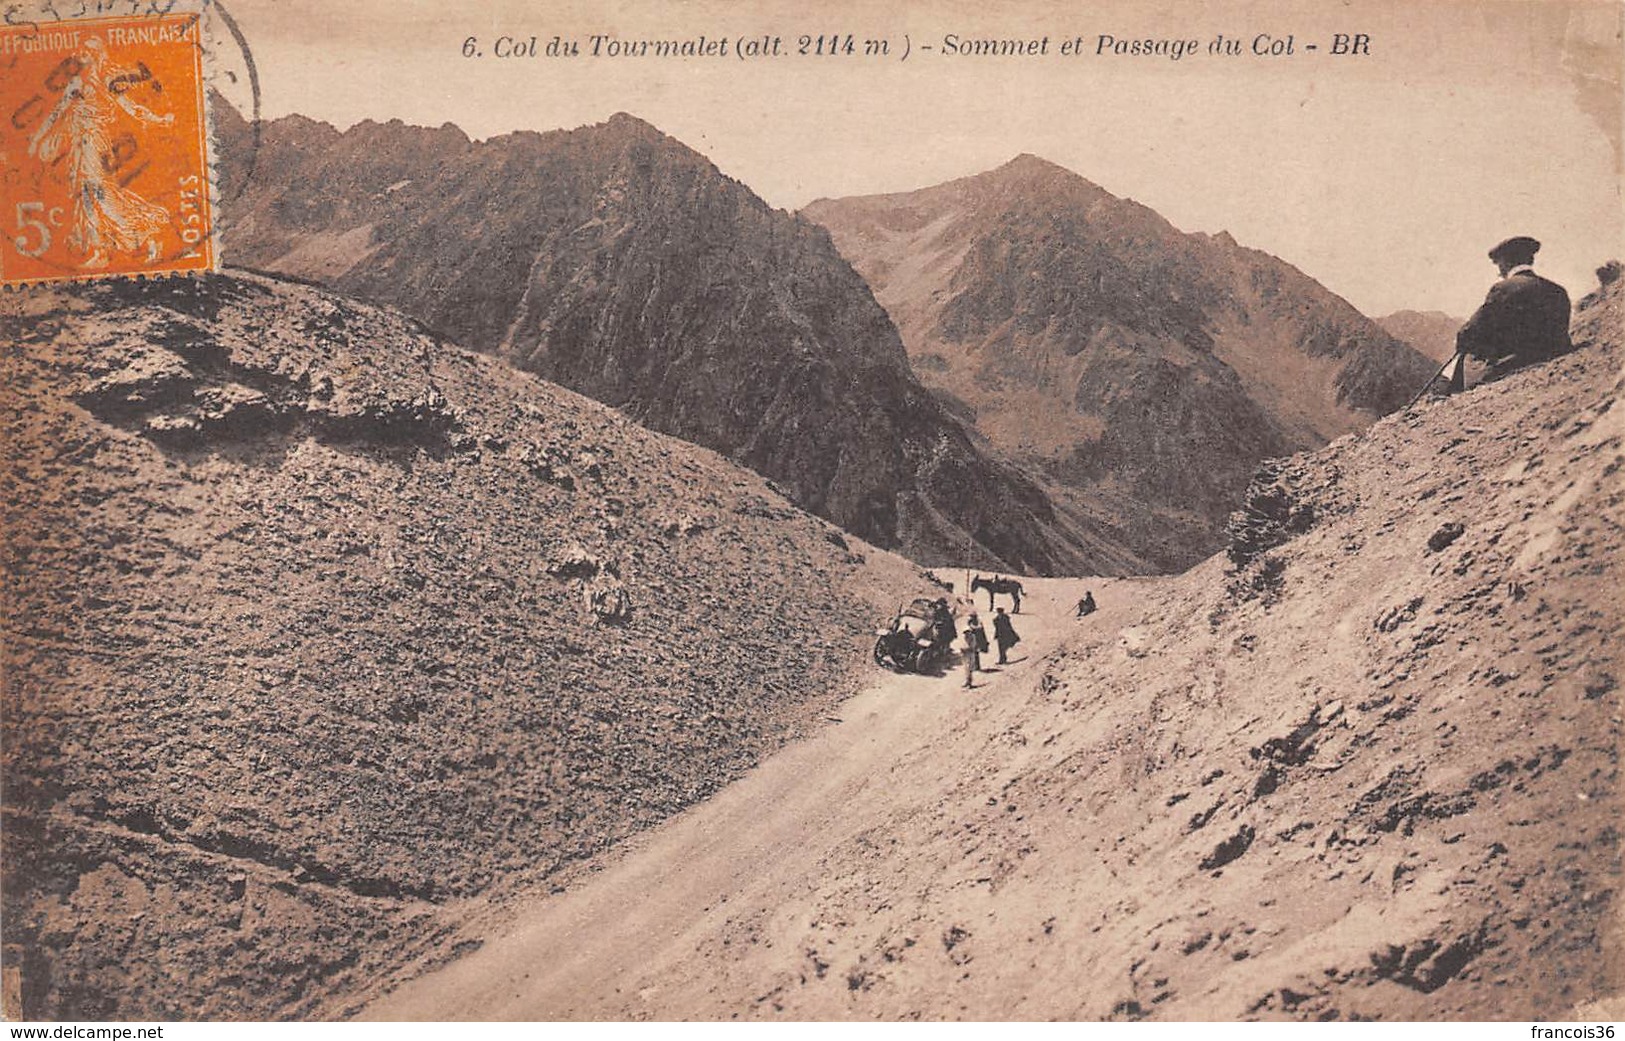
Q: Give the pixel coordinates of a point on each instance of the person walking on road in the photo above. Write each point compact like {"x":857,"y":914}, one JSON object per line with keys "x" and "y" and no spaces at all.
{"x":1004,"y":634}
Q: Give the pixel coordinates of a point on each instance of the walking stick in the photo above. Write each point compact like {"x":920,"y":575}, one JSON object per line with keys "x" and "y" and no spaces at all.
{"x":1455,"y":359}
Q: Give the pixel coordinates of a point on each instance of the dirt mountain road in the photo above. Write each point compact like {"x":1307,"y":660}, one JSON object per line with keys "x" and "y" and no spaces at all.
{"x":762,"y":842}
{"x":1364,"y":767}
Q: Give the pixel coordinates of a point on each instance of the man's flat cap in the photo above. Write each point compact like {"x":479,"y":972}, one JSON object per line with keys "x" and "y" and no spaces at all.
{"x":1517,"y":246}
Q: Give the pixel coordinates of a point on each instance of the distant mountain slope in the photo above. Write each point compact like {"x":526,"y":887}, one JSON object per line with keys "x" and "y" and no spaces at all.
{"x":617,"y":262}
{"x":1143,"y":367}
{"x":1433,"y":333}
{"x":315,"y":626}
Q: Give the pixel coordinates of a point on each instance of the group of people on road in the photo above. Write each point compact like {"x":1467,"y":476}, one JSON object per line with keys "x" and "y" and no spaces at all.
{"x":975,"y":639}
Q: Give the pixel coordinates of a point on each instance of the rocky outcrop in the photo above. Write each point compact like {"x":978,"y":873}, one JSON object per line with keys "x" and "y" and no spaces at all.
{"x":316,"y":627}
{"x":1146,"y":369}
{"x":617,"y":262}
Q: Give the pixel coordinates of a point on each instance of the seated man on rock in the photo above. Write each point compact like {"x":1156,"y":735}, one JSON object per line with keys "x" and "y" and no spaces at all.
{"x":1525,"y":318}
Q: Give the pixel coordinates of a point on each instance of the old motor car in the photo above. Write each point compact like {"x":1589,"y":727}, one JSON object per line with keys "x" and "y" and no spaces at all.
{"x":918,"y":638}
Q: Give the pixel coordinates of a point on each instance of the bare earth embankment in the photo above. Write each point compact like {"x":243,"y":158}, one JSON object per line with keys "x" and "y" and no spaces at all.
{"x":320,"y":634}
{"x":1368,"y":769}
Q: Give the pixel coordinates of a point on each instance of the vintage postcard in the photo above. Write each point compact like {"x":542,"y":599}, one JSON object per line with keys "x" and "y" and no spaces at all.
{"x":762,"y":511}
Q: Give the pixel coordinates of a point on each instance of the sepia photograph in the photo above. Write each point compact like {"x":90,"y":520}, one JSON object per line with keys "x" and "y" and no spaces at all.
{"x":747,"y":510}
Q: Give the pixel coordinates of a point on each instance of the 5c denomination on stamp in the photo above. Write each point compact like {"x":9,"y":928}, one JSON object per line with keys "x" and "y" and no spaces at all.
{"x":104,"y":138}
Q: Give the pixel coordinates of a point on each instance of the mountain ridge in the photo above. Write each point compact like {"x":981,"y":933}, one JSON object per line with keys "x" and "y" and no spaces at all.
{"x":617,"y":261}
{"x":1122,"y":357}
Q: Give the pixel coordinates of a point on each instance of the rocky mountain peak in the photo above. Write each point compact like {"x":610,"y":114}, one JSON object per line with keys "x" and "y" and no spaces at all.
{"x":1029,"y":183}
{"x":617,"y":261}
{"x":627,"y":124}
{"x":1091,"y":339}
{"x":1029,"y":166}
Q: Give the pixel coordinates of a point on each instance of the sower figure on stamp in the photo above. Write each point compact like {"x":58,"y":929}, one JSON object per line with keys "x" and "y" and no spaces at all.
{"x":107,"y":216}
{"x":1524,"y":319}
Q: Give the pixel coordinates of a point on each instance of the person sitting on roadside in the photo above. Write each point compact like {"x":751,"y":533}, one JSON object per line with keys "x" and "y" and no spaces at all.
{"x":1524,"y":320}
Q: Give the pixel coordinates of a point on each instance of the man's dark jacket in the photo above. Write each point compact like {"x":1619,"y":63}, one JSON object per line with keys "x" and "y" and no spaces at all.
{"x":1524,"y":316}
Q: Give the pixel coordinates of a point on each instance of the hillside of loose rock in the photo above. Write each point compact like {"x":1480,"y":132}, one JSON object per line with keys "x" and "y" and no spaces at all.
{"x":1144,"y":369}
{"x":1363,"y":765}
{"x":618,"y":262}
{"x":317,"y":629}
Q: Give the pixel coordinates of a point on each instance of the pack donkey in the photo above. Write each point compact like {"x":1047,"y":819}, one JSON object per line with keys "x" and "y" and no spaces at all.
{"x":998,"y":584}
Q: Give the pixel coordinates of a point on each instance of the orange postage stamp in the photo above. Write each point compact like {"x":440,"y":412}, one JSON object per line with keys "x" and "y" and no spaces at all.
{"x":104,"y":138}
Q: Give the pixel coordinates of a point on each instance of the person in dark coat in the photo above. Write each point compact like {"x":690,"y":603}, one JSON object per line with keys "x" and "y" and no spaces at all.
{"x":1087,"y":604}
{"x":942,"y":622}
{"x":1524,"y":319}
{"x":1004,"y":634}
